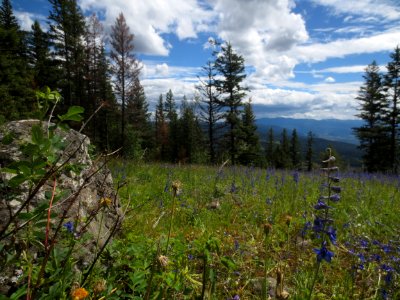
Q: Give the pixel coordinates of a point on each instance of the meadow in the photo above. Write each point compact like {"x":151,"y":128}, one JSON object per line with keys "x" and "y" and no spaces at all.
{"x":227,"y":232}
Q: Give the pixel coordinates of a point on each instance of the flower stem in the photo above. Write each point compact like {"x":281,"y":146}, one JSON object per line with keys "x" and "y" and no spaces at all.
{"x":314,"y":280}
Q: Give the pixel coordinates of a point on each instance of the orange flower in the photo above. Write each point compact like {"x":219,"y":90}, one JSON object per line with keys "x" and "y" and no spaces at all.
{"x":79,"y":294}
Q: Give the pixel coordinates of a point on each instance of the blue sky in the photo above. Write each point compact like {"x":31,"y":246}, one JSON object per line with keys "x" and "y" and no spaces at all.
{"x":304,"y":58}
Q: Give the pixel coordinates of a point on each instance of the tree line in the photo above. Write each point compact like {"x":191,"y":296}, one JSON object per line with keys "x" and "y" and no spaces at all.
{"x":71,"y":57}
{"x":378,"y":99}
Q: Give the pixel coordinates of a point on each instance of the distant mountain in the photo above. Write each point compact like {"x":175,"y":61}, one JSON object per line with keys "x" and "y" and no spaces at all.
{"x":337,"y":134}
{"x":330,"y":129}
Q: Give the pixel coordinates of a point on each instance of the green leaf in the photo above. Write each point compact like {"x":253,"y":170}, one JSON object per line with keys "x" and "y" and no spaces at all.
{"x":73,"y":114}
{"x":7,"y":139}
{"x":228,"y":262}
{"x":37,"y":134}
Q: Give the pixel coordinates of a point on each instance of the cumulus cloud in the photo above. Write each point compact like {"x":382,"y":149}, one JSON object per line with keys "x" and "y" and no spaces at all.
{"x":25,"y":19}
{"x":371,"y":10}
{"x":330,"y":79}
{"x":149,"y":20}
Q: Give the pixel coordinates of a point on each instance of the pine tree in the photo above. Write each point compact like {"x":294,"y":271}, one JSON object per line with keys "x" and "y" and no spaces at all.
{"x":295,"y":150}
{"x":40,"y":59}
{"x":230,"y":66}
{"x":283,"y":151}
{"x":392,"y":91}
{"x":210,"y":109}
{"x":270,"y":148}
{"x":309,"y":152}
{"x":250,"y":149}
{"x":161,"y":130}
{"x":16,"y":94}
{"x":67,"y":28}
{"x":372,"y":135}
{"x":173,"y":130}
{"x":190,"y":135}
{"x":125,"y":68}
{"x":138,"y":116}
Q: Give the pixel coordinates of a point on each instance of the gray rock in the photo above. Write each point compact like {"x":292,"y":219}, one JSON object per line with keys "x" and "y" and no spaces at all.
{"x":86,"y":188}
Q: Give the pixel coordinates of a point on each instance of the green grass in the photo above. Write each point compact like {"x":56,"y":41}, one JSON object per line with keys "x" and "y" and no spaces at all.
{"x":220,"y":253}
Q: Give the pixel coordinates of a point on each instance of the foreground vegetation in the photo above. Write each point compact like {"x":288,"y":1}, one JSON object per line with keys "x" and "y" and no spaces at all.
{"x":231,"y":230}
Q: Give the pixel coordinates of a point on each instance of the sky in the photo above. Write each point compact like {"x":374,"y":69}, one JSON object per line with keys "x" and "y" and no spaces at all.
{"x":304,"y":58}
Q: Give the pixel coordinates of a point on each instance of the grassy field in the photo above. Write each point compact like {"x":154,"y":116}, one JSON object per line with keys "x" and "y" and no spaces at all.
{"x":197,"y":232}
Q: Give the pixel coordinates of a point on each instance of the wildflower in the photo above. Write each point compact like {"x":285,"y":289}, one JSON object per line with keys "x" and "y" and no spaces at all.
{"x":105,"y":202}
{"x":324,"y":253}
{"x":267,"y":228}
{"x":79,"y":294}
{"x":99,"y":286}
{"x":335,"y":198}
{"x":288,"y":219}
{"x":321,"y":205}
{"x":336,"y":189}
{"x":176,"y":187}
{"x":69,"y":226}
{"x":163,"y":260}
{"x":331,"y":232}
{"x":334,"y":179}
{"x":233,"y":188}
{"x":296,"y":177}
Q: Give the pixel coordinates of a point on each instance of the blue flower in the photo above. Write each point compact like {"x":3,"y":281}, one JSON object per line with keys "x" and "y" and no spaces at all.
{"x":319,"y":224}
{"x":321,"y":205}
{"x":334,"y":197}
{"x":324,"y":253}
{"x":336,"y":189}
{"x":296,"y":177}
{"x":331,"y":232}
{"x":69,"y":226}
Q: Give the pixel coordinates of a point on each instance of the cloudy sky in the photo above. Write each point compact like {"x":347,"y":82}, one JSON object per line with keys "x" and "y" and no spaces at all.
{"x":304,"y":58}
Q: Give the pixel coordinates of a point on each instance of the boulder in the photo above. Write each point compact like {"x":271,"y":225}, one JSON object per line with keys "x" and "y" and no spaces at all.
{"x":89,"y":201}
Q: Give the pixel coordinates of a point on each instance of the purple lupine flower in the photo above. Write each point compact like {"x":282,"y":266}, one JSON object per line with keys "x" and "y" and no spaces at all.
{"x":296,"y":177}
{"x":334,"y":197}
{"x":321,"y":205}
{"x":331,"y":232}
{"x":324,"y":253}
{"x":336,"y":189}
{"x":69,"y":226}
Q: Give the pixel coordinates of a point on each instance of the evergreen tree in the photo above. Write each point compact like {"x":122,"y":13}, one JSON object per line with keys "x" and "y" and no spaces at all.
{"x":125,"y":68}
{"x":372,"y":135}
{"x":138,"y":116}
{"x":392,"y":91}
{"x":67,"y":28}
{"x":309,"y":151}
{"x":295,"y":150}
{"x":161,"y":130}
{"x":190,"y":135}
{"x":283,"y":152}
{"x":40,"y":59}
{"x":210,"y":110}
{"x":250,"y":149}
{"x":16,"y":94}
{"x":173,"y":127}
{"x":230,"y":66}
{"x":270,"y":148}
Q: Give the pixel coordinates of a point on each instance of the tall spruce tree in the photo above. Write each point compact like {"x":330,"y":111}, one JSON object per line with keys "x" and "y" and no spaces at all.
{"x":125,"y":67}
{"x":270,"y":148}
{"x":295,"y":150}
{"x":161,"y":130}
{"x":210,"y":109}
{"x":309,"y":151}
{"x":16,"y":94}
{"x":249,"y":142}
{"x":173,"y":127}
{"x":230,"y":66}
{"x":190,"y":135}
{"x":67,"y":28}
{"x":39,"y":57}
{"x":283,"y":152}
{"x":372,"y":134}
{"x":392,"y":91}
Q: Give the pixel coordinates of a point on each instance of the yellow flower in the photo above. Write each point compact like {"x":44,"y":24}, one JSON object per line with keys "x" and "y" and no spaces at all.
{"x":176,"y":187}
{"x":79,"y":294}
{"x":105,"y":201}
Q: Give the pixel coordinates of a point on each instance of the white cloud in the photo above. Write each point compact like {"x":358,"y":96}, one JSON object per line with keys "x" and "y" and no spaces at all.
{"x":329,"y":79}
{"x":25,"y":19}
{"x":370,"y":10}
{"x":319,"y":52}
{"x":148,"y":20}
{"x":162,"y":69}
